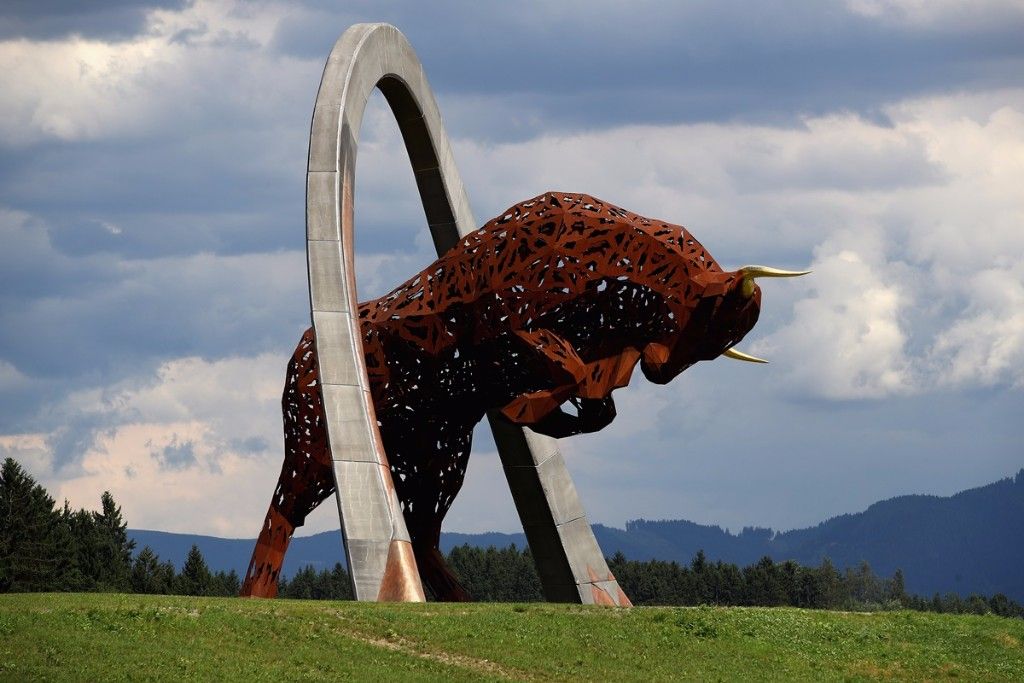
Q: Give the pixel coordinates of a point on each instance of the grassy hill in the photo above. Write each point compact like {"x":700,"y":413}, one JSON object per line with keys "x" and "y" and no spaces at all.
{"x":110,"y":637}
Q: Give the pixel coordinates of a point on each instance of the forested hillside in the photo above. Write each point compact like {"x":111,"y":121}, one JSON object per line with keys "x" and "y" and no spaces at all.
{"x":966,"y":543}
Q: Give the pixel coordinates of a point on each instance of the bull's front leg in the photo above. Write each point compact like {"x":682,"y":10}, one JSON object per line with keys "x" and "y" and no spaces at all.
{"x":585,"y":386}
{"x":561,"y":369}
{"x":592,"y":401}
{"x":592,"y":415}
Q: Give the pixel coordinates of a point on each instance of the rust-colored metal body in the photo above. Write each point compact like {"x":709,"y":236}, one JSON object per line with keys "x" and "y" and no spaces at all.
{"x":549,"y":306}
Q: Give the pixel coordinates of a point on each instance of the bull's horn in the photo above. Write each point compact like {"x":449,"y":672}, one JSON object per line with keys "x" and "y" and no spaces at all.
{"x":739,"y":355}
{"x":748,"y":273}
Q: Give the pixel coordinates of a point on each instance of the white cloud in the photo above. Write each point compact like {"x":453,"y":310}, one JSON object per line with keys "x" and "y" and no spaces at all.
{"x":11,"y":379}
{"x":745,"y":190}
{"x":985,"y":346}
{"x":73,"y":89}
{"x":225,"y":412}
{"x":846,"y":339}
{"x":209,"y":56}
{"x":946,"y":14}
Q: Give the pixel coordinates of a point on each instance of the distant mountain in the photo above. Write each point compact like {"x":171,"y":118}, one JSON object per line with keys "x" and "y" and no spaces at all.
{"x":969,"y":542}
{"x":320,"y":550}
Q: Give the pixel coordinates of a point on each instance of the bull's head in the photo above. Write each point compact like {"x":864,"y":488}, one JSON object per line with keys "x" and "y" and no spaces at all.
{"x":725,"y":309}
{"x":749,"y":290}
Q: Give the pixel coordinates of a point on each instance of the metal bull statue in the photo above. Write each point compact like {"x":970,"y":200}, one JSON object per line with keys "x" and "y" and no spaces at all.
{"x":541,"y":314}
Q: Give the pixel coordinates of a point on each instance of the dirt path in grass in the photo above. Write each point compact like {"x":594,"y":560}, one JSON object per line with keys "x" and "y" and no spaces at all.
{"x":396,"y":643}
{"x":475,"y":664}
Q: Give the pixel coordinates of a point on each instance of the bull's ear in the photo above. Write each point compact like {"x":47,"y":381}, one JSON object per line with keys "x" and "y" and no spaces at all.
{"x":750,"y":273}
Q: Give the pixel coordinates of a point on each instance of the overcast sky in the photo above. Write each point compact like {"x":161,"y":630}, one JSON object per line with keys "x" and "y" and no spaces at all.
{"x":152,"y":266}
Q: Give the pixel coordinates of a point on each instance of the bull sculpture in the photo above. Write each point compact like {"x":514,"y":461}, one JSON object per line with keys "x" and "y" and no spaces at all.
{"x":540,"y":314}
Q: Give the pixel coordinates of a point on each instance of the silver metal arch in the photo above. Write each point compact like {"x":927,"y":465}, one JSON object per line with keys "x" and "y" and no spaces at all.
{"x":376,"y":540}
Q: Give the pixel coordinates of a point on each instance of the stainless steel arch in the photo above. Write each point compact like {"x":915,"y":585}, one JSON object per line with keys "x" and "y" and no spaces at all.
{"x":376,"y":541}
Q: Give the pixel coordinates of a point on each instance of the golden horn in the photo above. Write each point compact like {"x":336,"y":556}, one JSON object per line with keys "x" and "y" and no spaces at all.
{"x":739,"y":355}
{"x":748,"y":273}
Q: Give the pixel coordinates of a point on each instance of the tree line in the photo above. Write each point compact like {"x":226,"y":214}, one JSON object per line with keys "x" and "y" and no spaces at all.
{"x":509,"y":575}
{"x":48,"y":548}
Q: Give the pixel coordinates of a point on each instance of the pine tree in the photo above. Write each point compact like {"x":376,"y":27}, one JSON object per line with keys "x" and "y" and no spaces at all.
{"x":166,"y":577}
{"x":897,"y":588}
{"x":1002,"y":605}
{"x":114,"y":549}
{"x":764,"y":584}
{"x":952,"y":603}
{"x":830,"y":589}
{"x":73,"y":579}
{"x":342,"y":583}
{"x":309,"y":584}
{"x":526,"y":586}
{"x":976,"y":604}
{"x":195,"y":577}
{"x":225,"y":584}
{"x":148,"y":575}
{"x":84,"y":547}
{"x":864,"y":587}
{"x":301,"y":584}
{"x":701,"y":584}
{"x":467,"y":562}
{"x":33,"y":552}
{"x":233,"y":584}
{"x":789,"y":575}
{"x":730,"y":586}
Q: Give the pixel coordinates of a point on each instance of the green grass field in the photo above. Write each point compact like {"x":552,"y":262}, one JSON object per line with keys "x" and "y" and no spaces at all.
{"x":109,"y":637}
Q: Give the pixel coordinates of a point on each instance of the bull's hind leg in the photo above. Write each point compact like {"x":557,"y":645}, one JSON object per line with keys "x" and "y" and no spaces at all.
{"x":306,"y":475}
{"x":428,"y":463}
